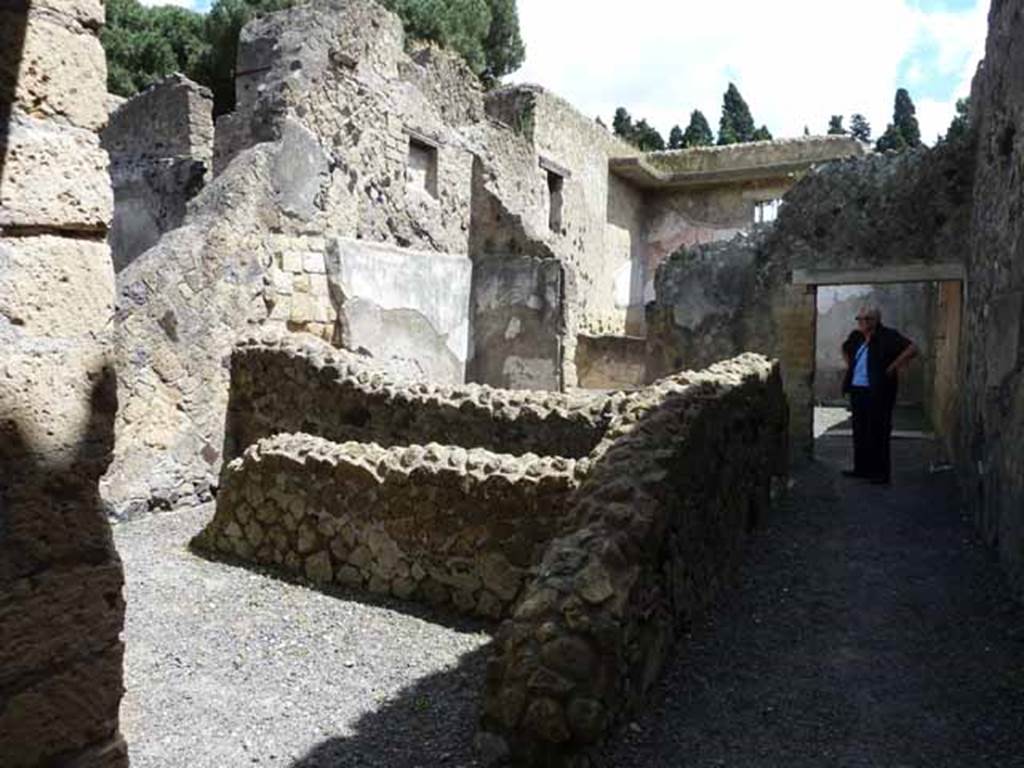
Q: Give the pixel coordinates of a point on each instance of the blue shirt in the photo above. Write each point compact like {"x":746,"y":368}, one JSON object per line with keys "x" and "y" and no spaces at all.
{"x":860,"y":368}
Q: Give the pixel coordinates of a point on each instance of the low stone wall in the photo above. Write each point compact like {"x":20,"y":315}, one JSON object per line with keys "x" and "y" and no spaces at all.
{"x":674,"y":490}
{"x":300,"y":384}
{"x":438,"y":524}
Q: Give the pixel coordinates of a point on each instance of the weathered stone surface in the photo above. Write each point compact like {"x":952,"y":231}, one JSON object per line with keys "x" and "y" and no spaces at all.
{"x":61,"y":608}
{"x":55,"y":69}
{"x":407,"y":511}
{"x":681,"y":476}
{"x":407,"y":308}
{"x":991,"y":429}
{"x":859,"y":214}
{"x":161,"y":147}
{"x":56,"y":286}
{"x":54,"y":176}
{"x":343,"y":396}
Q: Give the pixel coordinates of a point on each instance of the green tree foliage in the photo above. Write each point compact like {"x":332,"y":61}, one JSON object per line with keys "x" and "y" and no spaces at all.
{"x":762,"y":134}
{"x":647,"y":138}
{"x":145,"y":44}
{"x":860,"y":128}
{"x":504,"y":46}
{"x":835,"y":126}
{"x":903,"y":132}
{"x":961,"y":124}
{"x":485,"y":32}
{"x":641,"y":134}
{"x":622,"y":124}
{"x":222,"y":26}
{"x":675,"y":138}
{"x":737,"y":124}
{"x":698,"y":132}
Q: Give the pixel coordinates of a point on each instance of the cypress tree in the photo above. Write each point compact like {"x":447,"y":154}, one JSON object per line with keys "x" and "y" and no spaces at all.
{"x":736,"y":124}
{"x":835,"y":126}
{"x":622,"y":124}
{"x":675,"y":138}
{"x":860,"y":128}
{"x":647,"y":138}
{"x":698,"y":132}
{"x":903,"y":131}
{"x":960,"y":126}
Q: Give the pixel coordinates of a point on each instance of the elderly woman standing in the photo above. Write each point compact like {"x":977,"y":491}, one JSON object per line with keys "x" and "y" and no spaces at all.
{"x":874,"y":356}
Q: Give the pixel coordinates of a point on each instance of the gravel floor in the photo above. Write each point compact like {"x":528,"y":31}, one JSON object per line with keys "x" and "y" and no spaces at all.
{"x":225,"y":667}
{"x":870,"y":628}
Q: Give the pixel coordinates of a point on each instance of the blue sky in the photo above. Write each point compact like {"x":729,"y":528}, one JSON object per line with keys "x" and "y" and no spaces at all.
{"x":796,"y":61}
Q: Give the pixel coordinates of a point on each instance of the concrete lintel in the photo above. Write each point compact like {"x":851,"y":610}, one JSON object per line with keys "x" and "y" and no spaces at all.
{"x":552,"y":167}
{"x":897,"y":273}
{"x":645,"y":176}
{"x":423,"y":138}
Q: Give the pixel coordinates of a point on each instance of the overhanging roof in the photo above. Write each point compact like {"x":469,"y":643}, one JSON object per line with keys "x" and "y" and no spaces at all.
{"x":732,"y":164}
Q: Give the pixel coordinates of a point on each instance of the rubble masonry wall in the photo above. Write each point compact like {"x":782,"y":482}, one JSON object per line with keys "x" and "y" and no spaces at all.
{"x":663,"y":513}
{"x":61,"y":607}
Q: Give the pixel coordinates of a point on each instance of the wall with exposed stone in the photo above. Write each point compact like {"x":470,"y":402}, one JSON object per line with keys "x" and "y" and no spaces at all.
{"x":160,"y":144}
{"x":436,"y":524}
{"x":61,"y":608}
{"x":517,"y":322}
{"x":663,"y":514}
{"x":717,"y":300}
{"x":992,"y":388}
{"x":599,"y":229}
{"x":329,"y":106}
{"x":298,"y":384}
{"x":611,"y":362}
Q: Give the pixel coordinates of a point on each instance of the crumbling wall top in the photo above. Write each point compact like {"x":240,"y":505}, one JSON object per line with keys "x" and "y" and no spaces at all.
{"x":171,"y":118}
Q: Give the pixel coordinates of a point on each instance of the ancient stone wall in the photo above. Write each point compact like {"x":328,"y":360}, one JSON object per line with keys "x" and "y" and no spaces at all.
{"x":861,"y":214}
{"x":160,"y":144}
{"x":61,"y":609}
{"x":992,"y":393}
{"x":299,"y":384}
{"x":330,"y":110}
{"x":432,"y":523}
{"x":548,"y":194}
{"x":517,"y":322}
{"x":611,"y":362}
{"x":663,"y":513}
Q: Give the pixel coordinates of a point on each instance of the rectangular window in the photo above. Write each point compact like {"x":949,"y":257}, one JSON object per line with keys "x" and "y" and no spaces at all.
{"x":556,"y":185}
{"x":421,"y":172}
{"x":766,"y":211}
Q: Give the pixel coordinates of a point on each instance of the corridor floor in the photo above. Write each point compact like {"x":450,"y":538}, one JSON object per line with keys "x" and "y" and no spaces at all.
{"x":871,"y":627}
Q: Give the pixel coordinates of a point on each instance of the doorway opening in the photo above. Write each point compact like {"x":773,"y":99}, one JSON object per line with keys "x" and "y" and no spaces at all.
{"x":929,"y":313}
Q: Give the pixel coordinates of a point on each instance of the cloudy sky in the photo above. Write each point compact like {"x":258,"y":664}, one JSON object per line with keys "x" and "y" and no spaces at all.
{"x":795,"y":61}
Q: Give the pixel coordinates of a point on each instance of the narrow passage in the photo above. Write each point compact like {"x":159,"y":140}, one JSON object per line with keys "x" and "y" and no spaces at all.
{"x":871,"y":627}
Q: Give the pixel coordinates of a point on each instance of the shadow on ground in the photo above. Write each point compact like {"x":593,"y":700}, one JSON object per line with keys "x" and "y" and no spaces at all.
{"x":872,"y":627}
{"x":444,"y":616}
{"x":432,"y":723}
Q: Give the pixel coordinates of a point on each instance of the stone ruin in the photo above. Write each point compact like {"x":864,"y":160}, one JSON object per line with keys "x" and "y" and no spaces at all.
{"x":61,"y":607}
{"x":160,"y":145}
{"x":587,"y":521}
{"x":440,"y":271}
{"x":376,"y":197}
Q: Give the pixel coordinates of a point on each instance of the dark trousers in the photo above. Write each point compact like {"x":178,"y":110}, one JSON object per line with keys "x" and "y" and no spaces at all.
{"x":872,"y":429}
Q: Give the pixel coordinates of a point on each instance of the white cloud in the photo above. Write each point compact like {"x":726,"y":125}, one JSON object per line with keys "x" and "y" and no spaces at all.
{"x":796,"y":61}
